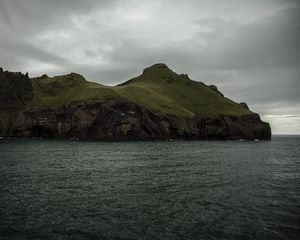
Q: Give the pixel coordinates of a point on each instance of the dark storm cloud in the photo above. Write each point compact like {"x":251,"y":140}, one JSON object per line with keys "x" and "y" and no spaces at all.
{"x":249,"y":49}
{"x":268,"y":42}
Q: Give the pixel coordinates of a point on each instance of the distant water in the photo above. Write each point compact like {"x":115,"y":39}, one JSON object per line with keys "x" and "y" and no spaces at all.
{"x":53,"y":189}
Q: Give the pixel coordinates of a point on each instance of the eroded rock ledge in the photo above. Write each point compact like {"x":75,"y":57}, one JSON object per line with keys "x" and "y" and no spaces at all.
{"x":113,"y":120}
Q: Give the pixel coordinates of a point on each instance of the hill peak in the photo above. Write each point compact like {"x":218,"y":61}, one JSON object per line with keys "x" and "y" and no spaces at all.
{"x":158,"y":66}
{"x":158,"y":73}
{"x":161,"y":67}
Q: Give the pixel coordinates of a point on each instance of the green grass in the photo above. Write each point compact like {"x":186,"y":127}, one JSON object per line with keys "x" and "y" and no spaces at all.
{"x":158,"y":89}
{"x":64,"y":90}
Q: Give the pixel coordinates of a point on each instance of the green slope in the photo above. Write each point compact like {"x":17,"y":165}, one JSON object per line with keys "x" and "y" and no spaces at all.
{"x":63,"y":90}
{"x":158,"y":88}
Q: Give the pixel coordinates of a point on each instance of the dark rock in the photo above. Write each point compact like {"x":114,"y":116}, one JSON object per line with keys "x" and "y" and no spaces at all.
{"x":115,"y":120}
{"x":215,"y":89}
{"x":185,"y":76}
{"x":244,"y":105}
{"x":15,"y":89}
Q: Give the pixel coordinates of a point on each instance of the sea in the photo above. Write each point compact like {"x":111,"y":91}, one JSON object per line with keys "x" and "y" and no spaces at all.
{"x":80,"y":189}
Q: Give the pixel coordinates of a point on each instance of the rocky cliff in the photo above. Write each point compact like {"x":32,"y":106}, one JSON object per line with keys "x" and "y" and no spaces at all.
{"x":159,"y":104}
{"x":15,"y":89}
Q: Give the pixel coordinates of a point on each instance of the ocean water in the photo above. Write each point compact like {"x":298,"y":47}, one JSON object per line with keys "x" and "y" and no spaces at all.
{"x":55,"y":189}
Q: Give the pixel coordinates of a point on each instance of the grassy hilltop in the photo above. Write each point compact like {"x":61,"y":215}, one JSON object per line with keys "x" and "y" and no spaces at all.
{"x":158,"y":88}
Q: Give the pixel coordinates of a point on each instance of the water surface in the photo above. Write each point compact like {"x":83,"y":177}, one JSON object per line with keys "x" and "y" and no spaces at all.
{"x":54,"y":189}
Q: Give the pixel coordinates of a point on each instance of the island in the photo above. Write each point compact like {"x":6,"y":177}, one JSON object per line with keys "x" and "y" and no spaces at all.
{"x":159,"y":104}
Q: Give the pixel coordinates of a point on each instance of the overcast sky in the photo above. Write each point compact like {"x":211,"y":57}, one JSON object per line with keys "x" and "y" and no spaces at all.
{"x":249,"y":49}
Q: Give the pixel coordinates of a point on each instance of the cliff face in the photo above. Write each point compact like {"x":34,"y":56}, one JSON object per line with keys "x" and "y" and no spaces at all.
{"x":113,"y":120}
{"x":123,"y":119}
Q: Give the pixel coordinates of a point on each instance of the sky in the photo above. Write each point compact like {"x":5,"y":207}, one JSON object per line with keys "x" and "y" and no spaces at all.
{"x":249,"y":49}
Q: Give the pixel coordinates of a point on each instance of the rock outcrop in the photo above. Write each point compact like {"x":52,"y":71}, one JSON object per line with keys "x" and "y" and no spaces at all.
{"x":15,"y":89}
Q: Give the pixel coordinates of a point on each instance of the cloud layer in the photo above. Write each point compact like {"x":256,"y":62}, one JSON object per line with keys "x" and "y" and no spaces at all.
{"x":249,"y":49}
